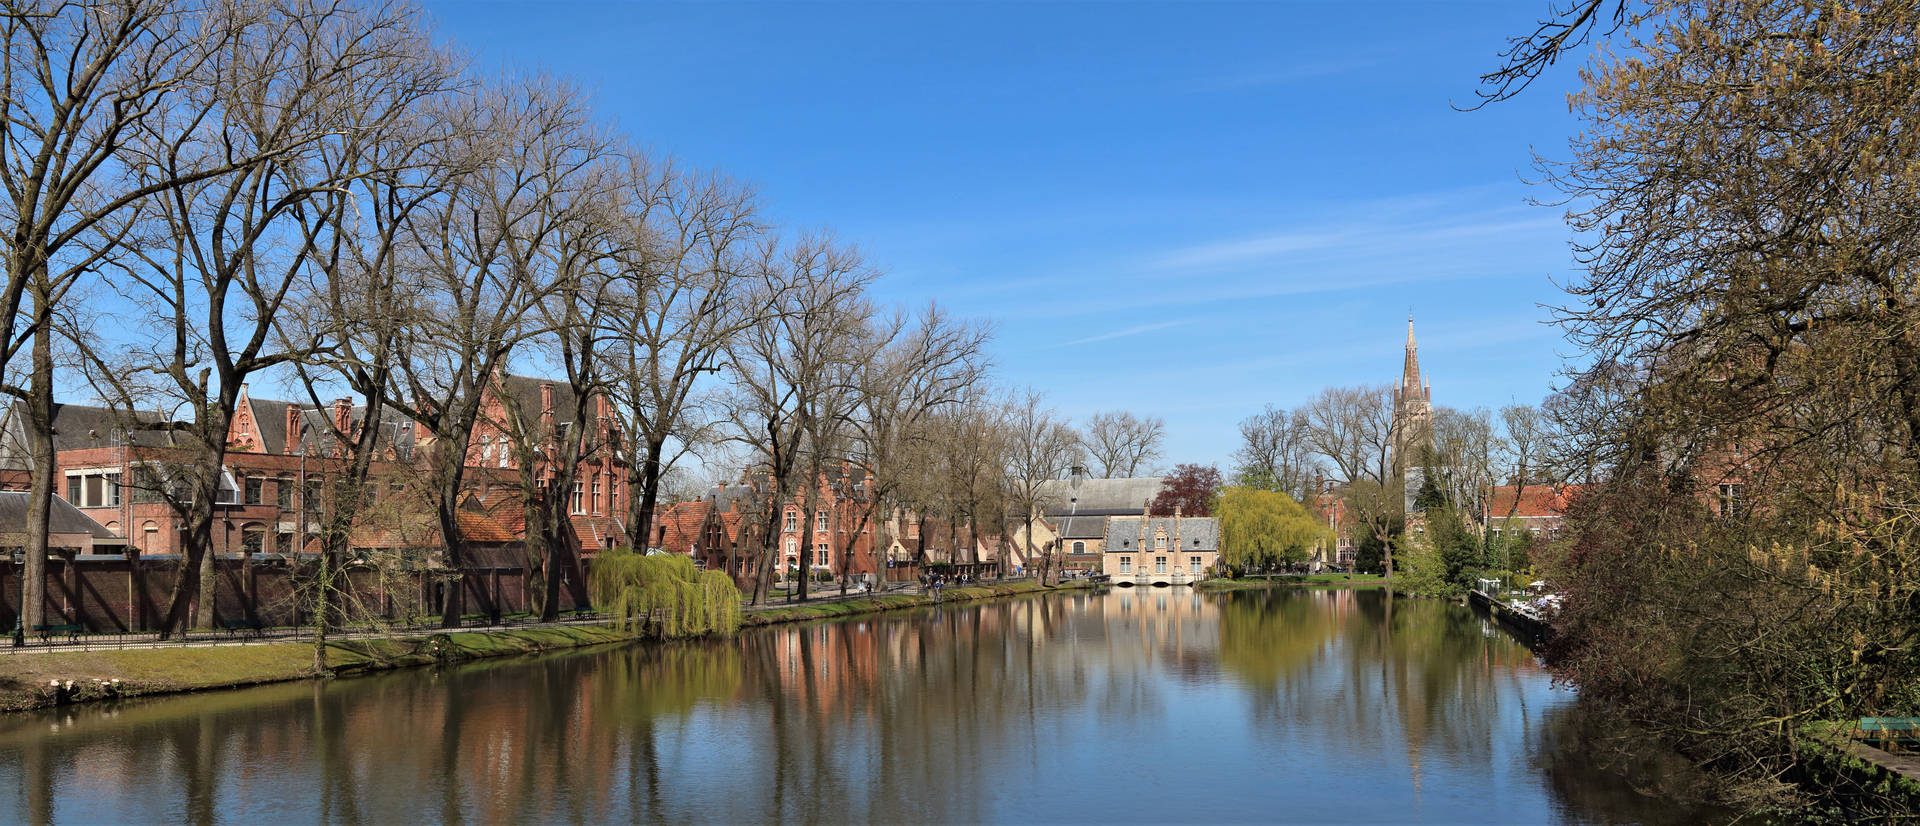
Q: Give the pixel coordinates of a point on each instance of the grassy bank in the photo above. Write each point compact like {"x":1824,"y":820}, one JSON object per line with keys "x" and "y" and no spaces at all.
{"x":893,"y":602}
{"x":1288,"y":581}
{"x":25,"y":678}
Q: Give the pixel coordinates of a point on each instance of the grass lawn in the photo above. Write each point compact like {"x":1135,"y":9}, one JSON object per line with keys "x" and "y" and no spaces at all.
{"x":24,"y":678}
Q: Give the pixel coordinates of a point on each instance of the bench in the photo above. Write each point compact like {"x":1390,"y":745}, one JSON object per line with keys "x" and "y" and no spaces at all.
{"x":246,"y":628}
{"x":47,"y":632}
{"x":1889,"y":733}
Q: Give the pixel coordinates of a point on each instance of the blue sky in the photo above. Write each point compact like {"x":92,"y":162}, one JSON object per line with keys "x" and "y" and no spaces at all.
{"x":1183,"y":210}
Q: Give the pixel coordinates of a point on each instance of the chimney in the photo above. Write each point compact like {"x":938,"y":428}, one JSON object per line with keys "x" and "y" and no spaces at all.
{"x":1176,"y":532}
{"x":343,"y":416}
{"x":546,"y":397}
{"x":293,"y":429}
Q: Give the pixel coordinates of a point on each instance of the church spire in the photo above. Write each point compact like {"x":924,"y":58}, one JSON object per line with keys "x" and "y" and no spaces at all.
{"x":1410,"y":380}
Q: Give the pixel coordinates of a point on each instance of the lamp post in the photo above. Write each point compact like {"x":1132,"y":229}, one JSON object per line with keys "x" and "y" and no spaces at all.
{"x":20,"y":613}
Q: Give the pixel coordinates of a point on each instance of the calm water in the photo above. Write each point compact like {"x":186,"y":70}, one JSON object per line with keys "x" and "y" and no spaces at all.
{"x":1137,"y":705}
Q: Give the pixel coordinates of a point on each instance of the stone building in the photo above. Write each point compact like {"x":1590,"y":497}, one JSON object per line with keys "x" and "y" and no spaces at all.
{"x":1160,"y":550}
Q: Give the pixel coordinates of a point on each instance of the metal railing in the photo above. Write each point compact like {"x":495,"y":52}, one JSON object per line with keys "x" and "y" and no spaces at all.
{"x":236,"y":634}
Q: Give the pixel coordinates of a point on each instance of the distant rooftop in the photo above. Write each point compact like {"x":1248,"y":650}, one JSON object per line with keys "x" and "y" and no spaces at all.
{"x":1098,"y":497}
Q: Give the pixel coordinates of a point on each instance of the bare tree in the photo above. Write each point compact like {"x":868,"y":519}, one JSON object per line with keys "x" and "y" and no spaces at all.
{"x":1121,"y":443}
{"x":219,"y":257}
{"x":352,"y":308}
{"x":554,"y":444}
{"x":515,"y":165}
{"x":931,"y":365}
{"x":1352,"y":427}
{"x":1462,"y":455}
{"x":817,"y":293}
{"x":1039,"y":448}
{"x":1274,"y":453}
{"x":1568,"y":25}
{"x":683,"y":295}
{"x":83,"y":85}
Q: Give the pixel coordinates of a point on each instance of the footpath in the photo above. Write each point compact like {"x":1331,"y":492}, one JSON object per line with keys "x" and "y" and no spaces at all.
{"x":104,"y":667}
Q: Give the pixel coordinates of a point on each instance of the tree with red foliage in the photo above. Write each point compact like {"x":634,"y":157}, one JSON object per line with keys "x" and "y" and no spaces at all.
{"x":1192,"y":487}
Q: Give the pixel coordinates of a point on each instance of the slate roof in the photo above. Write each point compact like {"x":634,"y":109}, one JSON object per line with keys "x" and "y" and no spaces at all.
{"x":65,"y":517}
{"x":270,"y":421}
{"x":78,"y":427}
{"x":1099,"y":497}
{"x":1197,"y":533}
{"x":396,"y":427}
{"x":1081,"y":527}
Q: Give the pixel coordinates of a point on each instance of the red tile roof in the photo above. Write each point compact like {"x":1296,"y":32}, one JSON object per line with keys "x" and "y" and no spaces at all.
{"x":677,"y":527}
{"x":1535,"y":500}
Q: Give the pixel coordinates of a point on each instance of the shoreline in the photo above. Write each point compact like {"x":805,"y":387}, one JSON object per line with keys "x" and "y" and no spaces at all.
{"x":112,"y":674}
{"x":1289,"y":582}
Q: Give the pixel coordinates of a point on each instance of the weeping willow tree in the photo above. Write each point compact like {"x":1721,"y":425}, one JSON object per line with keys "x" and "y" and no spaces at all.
{"x":664,"y":595}
{"x":1262,"y":529}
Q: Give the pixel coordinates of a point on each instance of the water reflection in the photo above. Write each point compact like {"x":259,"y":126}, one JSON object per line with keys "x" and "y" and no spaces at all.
{"x":1139,"y":705}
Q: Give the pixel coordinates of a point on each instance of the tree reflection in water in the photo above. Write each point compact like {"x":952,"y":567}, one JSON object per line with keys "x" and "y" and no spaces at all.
{"x":1138,"y":705}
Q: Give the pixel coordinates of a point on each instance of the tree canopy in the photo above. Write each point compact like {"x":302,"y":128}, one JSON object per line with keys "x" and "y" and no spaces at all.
{"x":1263,"y":529}
{"x":1193,"y":488}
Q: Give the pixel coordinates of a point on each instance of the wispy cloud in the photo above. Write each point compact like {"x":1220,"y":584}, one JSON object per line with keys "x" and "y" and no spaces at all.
{"x":1130,"y":331}
{"x":1359,"y":237}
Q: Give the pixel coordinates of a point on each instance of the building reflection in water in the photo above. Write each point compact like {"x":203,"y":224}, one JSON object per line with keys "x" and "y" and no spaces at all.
{"x":1140,"y":704}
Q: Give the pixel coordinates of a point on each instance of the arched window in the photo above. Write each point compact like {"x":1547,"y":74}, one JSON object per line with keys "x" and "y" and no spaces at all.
{"x":149,"y":536}
{"x":1079,"y":547}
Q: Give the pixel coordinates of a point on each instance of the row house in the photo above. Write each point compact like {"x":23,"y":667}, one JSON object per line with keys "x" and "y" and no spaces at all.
{"x":274,"y":488}
{"x":722,"y":531}
{"x":1540,"y":509}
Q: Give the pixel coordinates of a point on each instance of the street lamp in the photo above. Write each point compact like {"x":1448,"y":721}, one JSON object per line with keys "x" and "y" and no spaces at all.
{"x":20,"y":615}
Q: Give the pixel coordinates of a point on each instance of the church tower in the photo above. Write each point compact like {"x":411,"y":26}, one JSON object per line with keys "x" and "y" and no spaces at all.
{"x":1412,"y":408}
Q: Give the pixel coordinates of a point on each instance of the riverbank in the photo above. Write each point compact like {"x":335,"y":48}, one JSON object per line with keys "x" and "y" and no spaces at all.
{"x":30,"y":681}
{"x":895,"y":602}
{"x":1292,"y":581}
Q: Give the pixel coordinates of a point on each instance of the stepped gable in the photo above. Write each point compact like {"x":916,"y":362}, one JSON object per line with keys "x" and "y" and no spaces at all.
{"x":525,"y":391}
{"x":396,"y":428}
{"x":1197,"y":533}
{"x":597,"y":533}
{"x":677,"y":527}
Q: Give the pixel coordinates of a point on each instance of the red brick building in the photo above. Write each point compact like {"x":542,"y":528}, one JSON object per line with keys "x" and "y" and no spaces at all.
{"x":726,"y":526}
{"x":280,"y":455}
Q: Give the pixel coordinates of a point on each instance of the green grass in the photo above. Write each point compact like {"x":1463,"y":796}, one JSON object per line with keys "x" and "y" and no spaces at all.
{"x":142,"y":671}
{"x":164,"y":670}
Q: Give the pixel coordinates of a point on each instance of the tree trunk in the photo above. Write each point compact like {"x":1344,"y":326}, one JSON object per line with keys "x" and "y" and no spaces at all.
{"x":556,"y":560}
{"x":649,"y":497}
{"x":39,"y":427}
{"x":448,"y":513}
{"x":323,"y":587}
